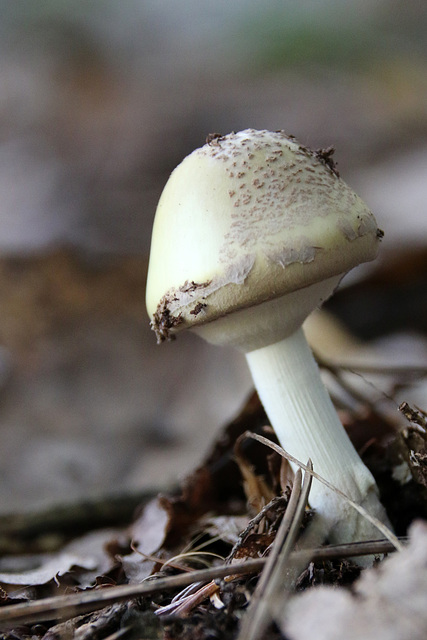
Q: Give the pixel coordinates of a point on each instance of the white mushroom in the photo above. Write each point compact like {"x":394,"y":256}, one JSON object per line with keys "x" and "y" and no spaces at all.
{"x":253,"y":231}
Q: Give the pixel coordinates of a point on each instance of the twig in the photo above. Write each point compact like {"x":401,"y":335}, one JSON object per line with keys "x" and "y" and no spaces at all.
{"x":277,"y":544}
{"x":386,"y":370}
{"x":258,"y":615}
{"x":337,"y":372}
{"x":381,"y":369}
{"x":65,"y":607}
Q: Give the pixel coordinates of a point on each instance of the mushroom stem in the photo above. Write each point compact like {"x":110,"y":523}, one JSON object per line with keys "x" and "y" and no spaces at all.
{"x":302,"y":414}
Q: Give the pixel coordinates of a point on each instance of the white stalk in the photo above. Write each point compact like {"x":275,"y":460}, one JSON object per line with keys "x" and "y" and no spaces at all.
{"x":302,"y":414}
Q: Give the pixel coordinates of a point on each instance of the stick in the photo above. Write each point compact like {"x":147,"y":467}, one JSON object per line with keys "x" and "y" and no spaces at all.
{"x":65,"y":607}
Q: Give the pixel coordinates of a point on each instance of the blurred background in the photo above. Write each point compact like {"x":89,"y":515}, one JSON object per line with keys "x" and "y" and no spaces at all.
{"x":99,"y":101}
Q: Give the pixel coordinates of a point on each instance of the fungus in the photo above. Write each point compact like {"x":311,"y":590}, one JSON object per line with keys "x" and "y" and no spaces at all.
{"x":254,"y":231}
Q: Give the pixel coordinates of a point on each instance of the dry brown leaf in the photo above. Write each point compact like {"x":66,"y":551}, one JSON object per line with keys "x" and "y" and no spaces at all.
{"x":256,"y":489}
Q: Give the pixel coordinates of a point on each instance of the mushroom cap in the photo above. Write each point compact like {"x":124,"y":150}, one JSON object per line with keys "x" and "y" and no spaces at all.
{"x":247,"y":218}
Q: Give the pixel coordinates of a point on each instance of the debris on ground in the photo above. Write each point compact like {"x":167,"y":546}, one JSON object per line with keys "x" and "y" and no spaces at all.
{"x":189,"y":561}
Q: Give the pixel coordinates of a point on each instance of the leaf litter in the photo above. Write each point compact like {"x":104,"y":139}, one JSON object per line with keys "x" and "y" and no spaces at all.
{"x":214,"y":534}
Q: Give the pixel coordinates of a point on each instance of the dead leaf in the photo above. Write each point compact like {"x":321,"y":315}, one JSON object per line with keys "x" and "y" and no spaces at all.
{"x":50,"y":568}
{"x":136,"y":568}
{"x":84,"y":557}
{"x":257,"y":491}
{"x":254,"y":546}
{"x":225,"y":528}
{"x":389,"y":603}
{"x":148,"y":534}
{"x":149,"y":531}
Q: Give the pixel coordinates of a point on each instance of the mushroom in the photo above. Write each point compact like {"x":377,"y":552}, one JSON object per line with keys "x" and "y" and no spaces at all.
{"x":254,"y":231}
